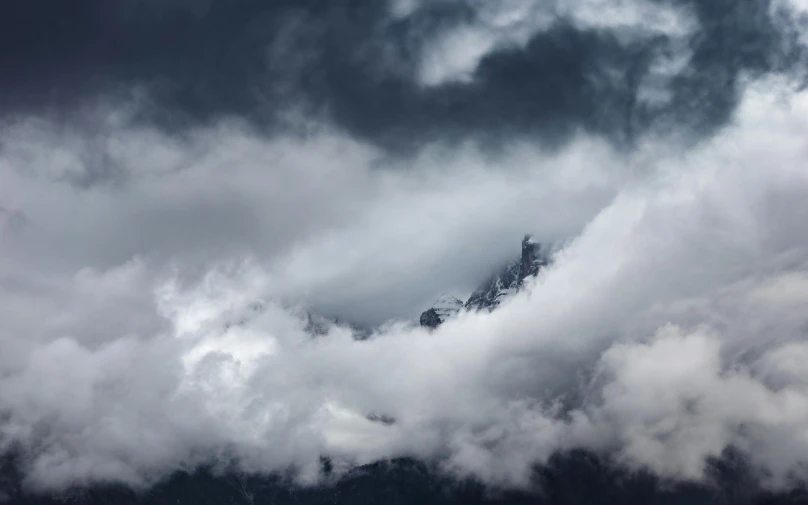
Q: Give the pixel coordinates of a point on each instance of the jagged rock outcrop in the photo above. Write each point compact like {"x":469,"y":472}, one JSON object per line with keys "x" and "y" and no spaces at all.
{"x":510,"y":279}
{"x":430,"y":319}
{"x":496,"y":289}
{"x":533,"y":258}
{"x":445,"y":307}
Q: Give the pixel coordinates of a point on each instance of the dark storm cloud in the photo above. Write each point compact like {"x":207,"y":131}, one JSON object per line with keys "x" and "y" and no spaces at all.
{"x":357,"y":64}
{"x":131,"y":344}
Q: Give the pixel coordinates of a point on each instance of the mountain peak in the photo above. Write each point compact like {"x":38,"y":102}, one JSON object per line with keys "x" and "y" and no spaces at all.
{"x":447,"y":302}
{"x":499,"y":287}
{"x":444,"y":307}
{"x":532,"y":258}
{"x":511,"y":277}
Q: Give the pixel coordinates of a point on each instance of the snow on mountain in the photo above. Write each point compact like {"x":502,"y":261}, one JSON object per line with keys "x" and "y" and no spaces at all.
{"x":489,"y":296}
{"x":445,"y":307}
{"x":498,"y":288}
{"x":508,"y":281}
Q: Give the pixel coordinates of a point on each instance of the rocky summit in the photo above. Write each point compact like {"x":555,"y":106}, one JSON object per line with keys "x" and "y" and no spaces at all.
{"x":499,"y":287}
{"x":445,"y":307}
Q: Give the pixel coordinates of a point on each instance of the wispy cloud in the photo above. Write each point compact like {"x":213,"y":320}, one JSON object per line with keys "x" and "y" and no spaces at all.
{"x":167,"y":226}
{"x":676,"y":303}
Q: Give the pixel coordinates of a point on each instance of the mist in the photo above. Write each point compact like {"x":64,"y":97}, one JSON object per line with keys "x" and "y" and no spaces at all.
{"x":157,"y":279}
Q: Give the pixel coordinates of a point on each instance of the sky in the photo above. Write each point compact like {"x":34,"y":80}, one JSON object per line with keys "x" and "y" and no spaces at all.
{"x":165,"y":166}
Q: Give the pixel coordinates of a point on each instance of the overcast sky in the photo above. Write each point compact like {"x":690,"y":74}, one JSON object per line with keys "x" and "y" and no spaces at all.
{"x":166,"y":164}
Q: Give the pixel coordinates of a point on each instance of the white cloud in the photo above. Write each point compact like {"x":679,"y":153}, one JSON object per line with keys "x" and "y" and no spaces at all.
{"x":318,"y":213}
{"x":671,"y":404}
{"x":678,"y":300}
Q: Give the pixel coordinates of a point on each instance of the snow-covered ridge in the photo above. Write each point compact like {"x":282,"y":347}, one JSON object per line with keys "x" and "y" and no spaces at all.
{"x":489,"y":296}
{"x":445,"y":307}
{"x":494,"y":291}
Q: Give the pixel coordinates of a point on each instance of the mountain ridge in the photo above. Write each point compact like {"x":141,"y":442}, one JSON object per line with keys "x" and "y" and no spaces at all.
{"x":499,"y":287}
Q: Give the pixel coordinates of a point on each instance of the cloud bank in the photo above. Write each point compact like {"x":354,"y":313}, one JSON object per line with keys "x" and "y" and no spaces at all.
{"x":161,"y":252}
{"x":667,"y":330}
{"x":398,"y":73}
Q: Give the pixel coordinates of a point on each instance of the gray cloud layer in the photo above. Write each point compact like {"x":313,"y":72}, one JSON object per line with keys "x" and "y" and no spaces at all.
{"x":400,"y":72}
{"x":670,"y":327}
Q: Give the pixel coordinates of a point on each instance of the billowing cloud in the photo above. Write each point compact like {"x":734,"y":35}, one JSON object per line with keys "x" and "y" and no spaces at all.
{"x":173,"y":207}
{"x":396,"y":73}
{"x":668,"y":328}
